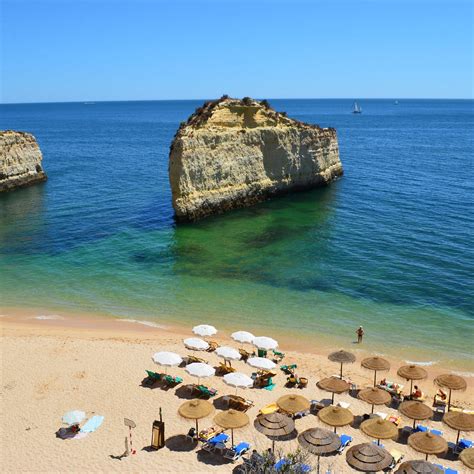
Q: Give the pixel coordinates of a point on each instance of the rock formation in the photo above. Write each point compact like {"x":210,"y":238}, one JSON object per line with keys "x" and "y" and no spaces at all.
{"x":20,"y":160}
{"x":234,"y":153}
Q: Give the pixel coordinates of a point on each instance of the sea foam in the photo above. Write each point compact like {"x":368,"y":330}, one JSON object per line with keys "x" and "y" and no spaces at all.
{"x":144,"y":323}
{"x":427,"y":363}
{"x":48,"y":316}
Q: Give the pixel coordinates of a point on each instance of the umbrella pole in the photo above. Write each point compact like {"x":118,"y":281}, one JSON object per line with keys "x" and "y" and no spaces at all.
{"x":426,"y":459}
{"x":449,"y":400}
{"x":319,"y":459}
{"x":375,"y":378}
{"x":335,"y":429}
{"x":372,"y":409}
{"x":411,"y":387}
{"x":273,"y":446}
{"x":341,"y":370}
{"x":414,"y":421}
{"x":457,"y":439}
{"x":332,"y":398}
{"x":197,"y":427}
{"x":232,"y":436}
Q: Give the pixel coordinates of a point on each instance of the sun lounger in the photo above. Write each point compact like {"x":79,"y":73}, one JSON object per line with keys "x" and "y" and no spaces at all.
{"x":235,"y":453}
{"x":346,"y":440}
{"x":216,"y":442}
{"x":421,"y":428}
{"x":296,"y":468}
{"x":153,"y":377}
{"x":205,"y":391}
{"x":190,"y":359}
{"x":225,"y":369}
{"x":278,"y":356}
{"x":261,"y":353}
{"x":437,"y":432}
{"x":92,"y":424}
{"x":238,"y":403}
{"x":448,"y":470}
{"x":462,"y":444}
{"x":288,"y":369}
{"x":343,"y":404}
{"x":170,"y":380}
{"x":209,"y":433}
{"x":397,"y":456}
{"x":245,"y":354}
{"x":213,"y":345}
{"x":381,"y":414}
{"x":266,"y":410}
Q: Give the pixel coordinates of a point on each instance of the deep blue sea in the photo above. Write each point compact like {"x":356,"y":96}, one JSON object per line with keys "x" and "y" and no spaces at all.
{"x":389,"y":246}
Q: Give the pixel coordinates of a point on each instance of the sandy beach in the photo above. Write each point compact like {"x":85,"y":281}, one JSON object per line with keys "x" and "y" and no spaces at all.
{"x":51,"y":366}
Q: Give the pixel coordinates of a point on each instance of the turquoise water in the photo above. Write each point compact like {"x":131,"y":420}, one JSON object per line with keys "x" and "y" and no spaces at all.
{"x":388,"y":246}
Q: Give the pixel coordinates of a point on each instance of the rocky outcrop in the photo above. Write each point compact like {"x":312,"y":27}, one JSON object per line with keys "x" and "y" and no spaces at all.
{"x":20,"y":160}
{"x":234,"y":153}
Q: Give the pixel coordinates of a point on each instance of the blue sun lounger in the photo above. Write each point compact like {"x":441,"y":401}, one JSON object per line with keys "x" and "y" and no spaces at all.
{"x":346,"y":440}
{"x":234,"y":454}
{"x":92,"y":424}
{"x":297,"y":468}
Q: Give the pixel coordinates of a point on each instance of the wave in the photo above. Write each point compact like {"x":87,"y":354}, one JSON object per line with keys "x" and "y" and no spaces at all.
{"x":464,"y":374}
{"x":48,"y":316}
{"x":427,"y":363}
{"x":144,"y":323}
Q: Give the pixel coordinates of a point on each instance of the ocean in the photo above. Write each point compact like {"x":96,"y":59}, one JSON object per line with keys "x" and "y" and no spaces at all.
{"x":389,"y":246}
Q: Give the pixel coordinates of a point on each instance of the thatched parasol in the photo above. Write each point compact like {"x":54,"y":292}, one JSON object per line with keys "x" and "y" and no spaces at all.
{"x":418,"y":467}
{"x":231,"y":419}
{"x":274,"y":425}
{"x":427,"y":443}
{"x":374,"y":396}
{"x":379,"y":429}
{"x":467,"y":457}
{"x":415,"y":410}
{"x":319,"y":441}
{"x":459,"y":421}
{"x":342,"y":357}
{"x":334,"y":385}
{"x":335,"y":416}
{"x":293,"y":403}
{"x":412,"y":372}
{"x":376,"y":364}
{"x":451,"y":382}
{"x":368,"y":457}
{"x":195,"y":410}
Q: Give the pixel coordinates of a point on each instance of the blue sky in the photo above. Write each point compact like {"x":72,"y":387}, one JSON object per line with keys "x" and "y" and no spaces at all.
{"x":75,"y":50}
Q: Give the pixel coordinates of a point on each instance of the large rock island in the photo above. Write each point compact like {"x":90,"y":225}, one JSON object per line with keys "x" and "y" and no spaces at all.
{"x":234,"y":153}
{"x":20,"y":160}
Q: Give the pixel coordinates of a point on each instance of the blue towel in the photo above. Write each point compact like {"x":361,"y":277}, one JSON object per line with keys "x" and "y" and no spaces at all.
{"x":92,"y":424}
{"x":270,"y":387}
{"x":465,"y":443}
{"x":345,"y":439}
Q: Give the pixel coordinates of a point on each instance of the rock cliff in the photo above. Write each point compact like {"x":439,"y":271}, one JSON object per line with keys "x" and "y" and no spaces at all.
{"x":20,"y":160}
{"x":234,"y":153}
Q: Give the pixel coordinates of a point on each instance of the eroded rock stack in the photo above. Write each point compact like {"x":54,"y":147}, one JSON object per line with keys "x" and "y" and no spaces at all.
{"x":234,"y":153}
{"x":20,"y":160}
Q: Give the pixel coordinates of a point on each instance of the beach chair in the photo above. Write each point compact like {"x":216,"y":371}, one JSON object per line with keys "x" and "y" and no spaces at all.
{"x":278,"y":356}
{"x":205,"y":391}
{"x":238,"y":403}
{"x":172,"y":381}
{"x":216,"y":442}
{"x":381,"y":414}
{"x":437,"y":432}
{"x":288,"y":369}
{"x":315,"y":406}
{"x":190,"y":359}
{"x":346,"y":440}
{"x":397,"y":457}
{"x":235,"y":453}
{"x":343,"y":404}
{"x":245,"y":354}
{"x":225,"y":369}
{"x":448,"y":470}
{"x":213,"y":345}
{"x":462,"y":444}
{"x":153,"y":377}
{"x":421,"y":428}
{"x":266,"y":410}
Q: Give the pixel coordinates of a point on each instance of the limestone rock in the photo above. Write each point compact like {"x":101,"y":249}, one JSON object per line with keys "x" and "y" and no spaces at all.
{"x":234,"y":153}
{"x":20,"y":160}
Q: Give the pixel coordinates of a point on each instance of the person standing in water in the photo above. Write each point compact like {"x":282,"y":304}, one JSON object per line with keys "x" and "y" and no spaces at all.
{"x":360,"y":334}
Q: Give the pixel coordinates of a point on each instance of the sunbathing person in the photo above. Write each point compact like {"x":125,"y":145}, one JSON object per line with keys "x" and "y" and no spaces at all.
{"x":416,"y":394}
{"x":440,"y":398}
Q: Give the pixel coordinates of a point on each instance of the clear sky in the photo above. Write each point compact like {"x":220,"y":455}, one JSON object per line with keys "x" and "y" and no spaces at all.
{"x":76,"y":50}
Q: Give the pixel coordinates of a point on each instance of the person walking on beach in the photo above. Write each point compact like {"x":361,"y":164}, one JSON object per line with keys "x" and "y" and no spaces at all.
{"x":360,"y":334}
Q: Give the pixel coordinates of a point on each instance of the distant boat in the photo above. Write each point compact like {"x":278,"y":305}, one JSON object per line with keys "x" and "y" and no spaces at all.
{"x":357,"y":108}
{"x":89,"y":103}
{"x":396,"y":102}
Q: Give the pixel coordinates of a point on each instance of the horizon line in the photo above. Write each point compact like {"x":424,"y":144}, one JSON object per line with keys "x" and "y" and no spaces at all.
{"x":91,"y":101}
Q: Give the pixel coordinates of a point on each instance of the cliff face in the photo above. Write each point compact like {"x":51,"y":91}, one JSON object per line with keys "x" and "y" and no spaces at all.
{"x":234,"y":153}
{"x":20,"y":160}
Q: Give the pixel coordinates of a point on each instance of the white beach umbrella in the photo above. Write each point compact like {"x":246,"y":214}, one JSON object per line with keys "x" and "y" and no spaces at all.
{"x":266,"y":343}
{"x":204,"y":330}
{"x":167,"y":359}
{"x":73,"y":417}
{"x":242,"y":336}
{"x":228,"y":353}
{"x":238,"y":380}
{"x":200,"y":370}
{"x":261,"y":363}
{"x":196,"y":344}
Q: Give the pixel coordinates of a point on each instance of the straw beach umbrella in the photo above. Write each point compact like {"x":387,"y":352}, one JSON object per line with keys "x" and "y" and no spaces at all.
{"x":376,"y":364}
{"x":195,"y":410}
{"x":459,"y":421}
{"x":231,"y":419}
{"x":274,"y":426}
{"x":319,"y":441}
{"x":261,"y":363}
{"x":204,"y":330}
{"x":200,"y":370}
{"x":415,"y":410}
{"x":167,"y":359}
{"x":238,"y":380}
{"x":334,"y":385}
{"x":467,"y":457}
{"x":374,"y":396}
{"x":368,"y":457}
{"x":418,"y":467}
{"x":342,"y":357}
{"x":196,"y":344}
{"x":451,"y":382}
{"x":379,"y":429}
{"x":335,"y":416}
{"x":412,"y":372}
{"x":293,"y":403}
{"x":427,"y":443}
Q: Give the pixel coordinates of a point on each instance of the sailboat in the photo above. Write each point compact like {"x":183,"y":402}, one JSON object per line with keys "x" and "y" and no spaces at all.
{"x":357,"y":108}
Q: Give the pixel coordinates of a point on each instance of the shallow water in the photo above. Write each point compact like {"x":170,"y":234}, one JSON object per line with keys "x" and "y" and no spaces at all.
{"x":388,"y":246}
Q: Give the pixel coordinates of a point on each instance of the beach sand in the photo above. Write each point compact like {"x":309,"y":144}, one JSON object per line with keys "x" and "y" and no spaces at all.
{"x":51,"y":366}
